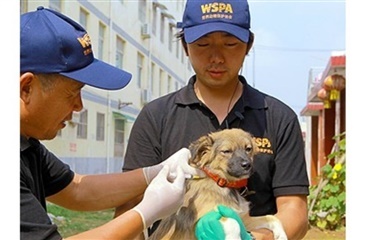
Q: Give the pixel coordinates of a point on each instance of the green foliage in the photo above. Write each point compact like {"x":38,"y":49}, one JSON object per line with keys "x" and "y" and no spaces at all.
{"x":327,"y":200}
{"x":72,"y":222}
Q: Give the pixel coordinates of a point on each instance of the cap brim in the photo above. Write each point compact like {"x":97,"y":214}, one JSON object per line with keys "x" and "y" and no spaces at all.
{"x":192,"y":34}
{"x":101,"y":75}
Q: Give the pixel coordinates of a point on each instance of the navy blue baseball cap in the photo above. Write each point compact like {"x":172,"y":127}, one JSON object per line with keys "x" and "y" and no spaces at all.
{"x":205,"y":16}
{"x":50,"y":42}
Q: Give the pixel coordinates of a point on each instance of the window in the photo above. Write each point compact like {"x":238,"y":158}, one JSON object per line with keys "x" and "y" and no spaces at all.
{"x":170,"y":36}
{"x":101,"y":41}
{"x":169,"y":83}
{"x":119,"y":137}
{"x":162,"y":28}
{"x":55,"y":5}
{"x":100,"y":125}
{"x":161,"y":82}
{"x":154,"y":21}
{"x":180,"y":5}
{"x":23,"y":7}
{"x":119,"y":52}
{"x":82,"y":125}
{"x":152,"y":78}
{"x":139,"y":73}
{"x":142,"y":11}
{"x":83,"y":17}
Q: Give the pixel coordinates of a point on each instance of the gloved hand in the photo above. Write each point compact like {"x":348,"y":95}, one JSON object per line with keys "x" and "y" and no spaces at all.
{"x":209,"y":226}
{"x":162,"y":197}
{"x":179,"y":158}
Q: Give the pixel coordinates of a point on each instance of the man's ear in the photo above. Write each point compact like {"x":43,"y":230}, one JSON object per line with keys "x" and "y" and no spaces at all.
{"x":26,"y":80}
{"x":250,"y":42}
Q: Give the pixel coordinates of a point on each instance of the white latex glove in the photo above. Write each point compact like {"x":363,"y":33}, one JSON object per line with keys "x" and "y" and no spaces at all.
{"x":179,"y":158}
{"x":162,"y":197}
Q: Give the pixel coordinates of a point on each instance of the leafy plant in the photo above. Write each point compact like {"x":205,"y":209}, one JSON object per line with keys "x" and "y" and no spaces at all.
{"x":327,"y":200}
{"x":72,"y":222}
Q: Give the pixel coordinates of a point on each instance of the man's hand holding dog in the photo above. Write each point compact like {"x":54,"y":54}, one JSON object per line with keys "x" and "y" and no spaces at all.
{"x":169,"y":195}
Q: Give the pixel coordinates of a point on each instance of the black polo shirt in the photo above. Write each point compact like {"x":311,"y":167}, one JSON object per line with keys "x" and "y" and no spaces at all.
{"x":171,"y":122}
{"x":42,"y":174}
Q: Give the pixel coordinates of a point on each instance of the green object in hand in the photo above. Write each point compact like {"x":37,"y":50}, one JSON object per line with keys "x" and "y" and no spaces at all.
{"x":209,"y":226}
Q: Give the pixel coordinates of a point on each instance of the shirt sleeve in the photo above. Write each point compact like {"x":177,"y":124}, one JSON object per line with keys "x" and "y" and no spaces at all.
{"x":58,"y":174}
{"x":34,"y":221}
{"x":290,"y":175}
{"x":41,"y":174}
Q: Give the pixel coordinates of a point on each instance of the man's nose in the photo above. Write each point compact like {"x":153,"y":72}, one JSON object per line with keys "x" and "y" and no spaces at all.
{"x":216,"y":55}
{"x":78,"y":105}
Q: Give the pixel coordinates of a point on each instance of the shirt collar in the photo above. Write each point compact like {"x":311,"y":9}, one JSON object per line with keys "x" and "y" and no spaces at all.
{"x":252,"y":98}
{"x":27,"y":143}
{"x":187,"y":95}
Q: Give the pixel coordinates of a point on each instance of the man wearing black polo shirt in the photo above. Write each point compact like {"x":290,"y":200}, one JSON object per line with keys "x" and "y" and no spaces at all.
{"x":216,"y":37}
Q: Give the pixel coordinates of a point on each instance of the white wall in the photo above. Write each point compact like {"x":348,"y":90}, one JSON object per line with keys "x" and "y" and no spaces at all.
{"x":121,"y":18}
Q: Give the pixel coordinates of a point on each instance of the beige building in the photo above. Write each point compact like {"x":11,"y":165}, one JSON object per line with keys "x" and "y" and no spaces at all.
{"x":138,"y":36}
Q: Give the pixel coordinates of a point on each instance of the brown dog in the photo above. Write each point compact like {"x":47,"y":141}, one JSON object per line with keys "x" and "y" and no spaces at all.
{"x":226,"y":157}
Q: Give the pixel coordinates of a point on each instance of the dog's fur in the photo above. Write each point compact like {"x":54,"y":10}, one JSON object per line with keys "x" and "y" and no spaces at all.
{"x":229,"y":154}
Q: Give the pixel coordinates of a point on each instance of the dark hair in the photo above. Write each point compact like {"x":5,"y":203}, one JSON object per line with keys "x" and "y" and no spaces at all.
{"x":180,"y":36}
{"x":48,"y":80}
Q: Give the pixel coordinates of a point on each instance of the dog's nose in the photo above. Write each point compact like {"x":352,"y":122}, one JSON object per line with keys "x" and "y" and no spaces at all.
{"x":246,"y":165}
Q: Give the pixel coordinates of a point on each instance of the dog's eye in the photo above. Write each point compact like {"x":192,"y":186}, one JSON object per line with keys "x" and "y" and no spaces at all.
{"x":248,"y":149}
{"x":226,"y":151}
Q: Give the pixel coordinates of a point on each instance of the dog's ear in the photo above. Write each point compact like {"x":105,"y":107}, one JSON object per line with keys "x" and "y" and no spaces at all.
{"x":198,"y":148}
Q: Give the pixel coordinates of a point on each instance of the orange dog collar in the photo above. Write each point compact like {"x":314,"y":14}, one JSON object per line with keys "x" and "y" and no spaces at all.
{"x":222,"y":182}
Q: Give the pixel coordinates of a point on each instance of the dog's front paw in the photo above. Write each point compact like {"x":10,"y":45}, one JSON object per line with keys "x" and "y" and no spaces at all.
{"x":231,"y":228}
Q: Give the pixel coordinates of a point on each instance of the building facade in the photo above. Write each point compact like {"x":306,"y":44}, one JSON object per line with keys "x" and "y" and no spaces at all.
{"x":137,"y":36}
{"x":325,"y":113}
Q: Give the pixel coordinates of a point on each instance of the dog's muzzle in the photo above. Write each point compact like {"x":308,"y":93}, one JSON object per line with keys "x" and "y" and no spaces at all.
{"x":247,"y":165}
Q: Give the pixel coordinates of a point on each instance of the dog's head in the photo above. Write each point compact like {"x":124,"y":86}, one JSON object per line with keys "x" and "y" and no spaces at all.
{"x":228,"y":153}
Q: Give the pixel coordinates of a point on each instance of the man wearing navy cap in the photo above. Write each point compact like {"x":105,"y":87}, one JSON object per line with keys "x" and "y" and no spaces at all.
{"x":56,"y":62}
{"x":216,"y":37}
